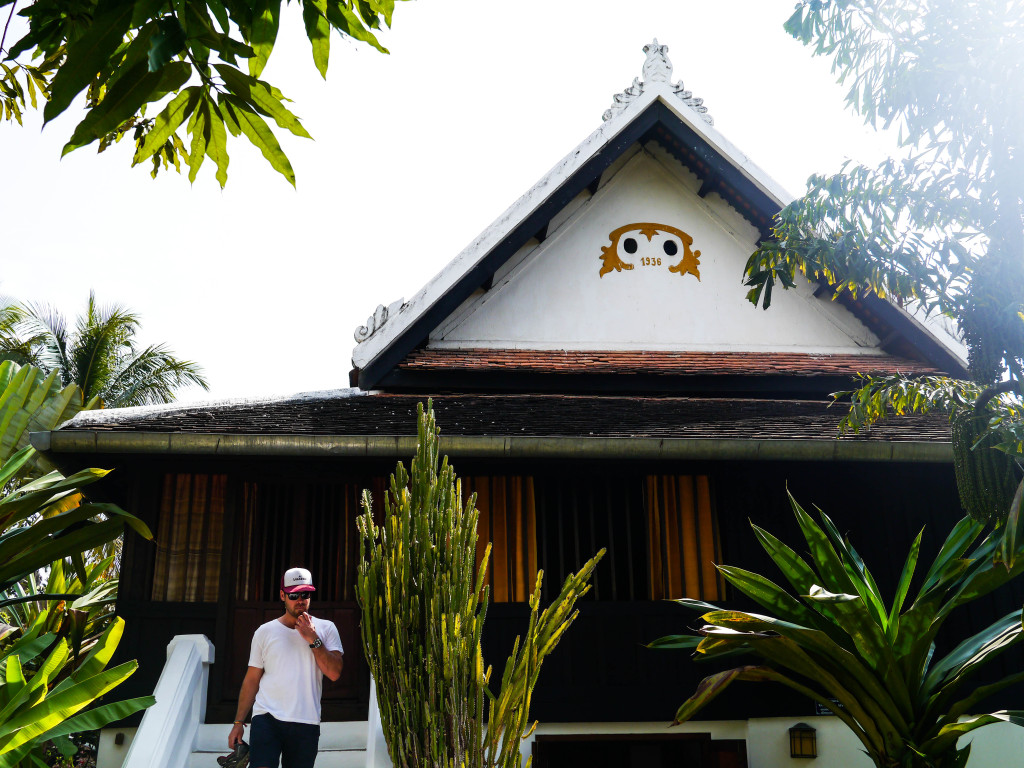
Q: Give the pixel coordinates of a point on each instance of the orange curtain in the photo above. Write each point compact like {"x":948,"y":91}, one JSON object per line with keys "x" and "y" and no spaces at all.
{"x":508,"y":519}
{"x":190,"y":538}
{"x":682,"y":542}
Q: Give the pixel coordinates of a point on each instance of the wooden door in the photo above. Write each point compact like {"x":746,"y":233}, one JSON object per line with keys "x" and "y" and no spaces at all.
{"x":283,"y":524}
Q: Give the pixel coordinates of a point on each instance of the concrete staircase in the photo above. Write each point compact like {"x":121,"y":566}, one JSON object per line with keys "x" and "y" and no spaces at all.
{"x":342,"y":745}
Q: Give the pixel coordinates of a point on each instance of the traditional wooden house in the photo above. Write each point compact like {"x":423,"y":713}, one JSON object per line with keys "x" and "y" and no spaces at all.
{"x":600,"y":381}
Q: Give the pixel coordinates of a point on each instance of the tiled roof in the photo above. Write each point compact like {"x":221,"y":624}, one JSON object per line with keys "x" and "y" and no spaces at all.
{"x":659,"y":363}
{"x":517,"y":415}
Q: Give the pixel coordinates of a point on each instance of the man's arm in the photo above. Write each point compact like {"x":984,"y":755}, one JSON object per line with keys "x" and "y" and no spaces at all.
{"x":246,"y":698}
{"x":329,"y":661}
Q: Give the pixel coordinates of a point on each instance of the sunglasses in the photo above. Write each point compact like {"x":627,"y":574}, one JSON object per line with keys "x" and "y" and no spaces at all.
{"x":297,"y":595}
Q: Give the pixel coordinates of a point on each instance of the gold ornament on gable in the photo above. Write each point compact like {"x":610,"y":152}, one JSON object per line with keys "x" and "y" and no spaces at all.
{"x":613,"y":261}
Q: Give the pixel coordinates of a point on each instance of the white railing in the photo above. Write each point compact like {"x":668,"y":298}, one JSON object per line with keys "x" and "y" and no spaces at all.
{"x":376,"y":747}
{"x":168,"y":730}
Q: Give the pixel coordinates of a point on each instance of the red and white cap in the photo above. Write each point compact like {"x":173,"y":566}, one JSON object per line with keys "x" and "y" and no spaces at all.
{"x":297,"y":580}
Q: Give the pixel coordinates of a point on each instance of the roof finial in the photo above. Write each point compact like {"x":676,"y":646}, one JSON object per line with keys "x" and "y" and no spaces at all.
{"x":657,"y":69}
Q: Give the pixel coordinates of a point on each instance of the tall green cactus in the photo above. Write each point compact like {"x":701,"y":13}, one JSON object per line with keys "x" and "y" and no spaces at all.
{"x":423,"y":605}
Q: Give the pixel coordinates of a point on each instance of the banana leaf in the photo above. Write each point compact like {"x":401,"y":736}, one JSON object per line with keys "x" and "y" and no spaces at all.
{"x":31,"y":401}
{"x":48,"y":713}
{"x":99,"y":717}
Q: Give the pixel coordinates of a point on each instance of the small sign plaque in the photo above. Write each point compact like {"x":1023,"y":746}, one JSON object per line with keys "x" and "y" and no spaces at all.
{"x":821,"y":709}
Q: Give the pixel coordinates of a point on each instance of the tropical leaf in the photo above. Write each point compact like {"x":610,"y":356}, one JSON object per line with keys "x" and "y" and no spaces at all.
{"x":975,"y":650}
{"x":769,"y":595}
{"x":261,"y":96}
{"x":707,"y":691}
{"x":88,"y":55}
{"x":258,"y":132}
{"x":903,"y":587}
{"x":318,"y":30}
{"x":950,"y":734}
{"x":906,"y":707}
{"x":97,"y":718}
{"x":1012,"y":539}
{"x":167,"y":122}
{"x":32,"y":401}
{"x":266,"y":21}
{"x":12,"y":466}
{"x":138,"y":86}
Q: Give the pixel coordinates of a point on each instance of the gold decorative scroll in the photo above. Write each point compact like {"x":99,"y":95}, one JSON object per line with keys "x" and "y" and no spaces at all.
{"x":612,"y":261}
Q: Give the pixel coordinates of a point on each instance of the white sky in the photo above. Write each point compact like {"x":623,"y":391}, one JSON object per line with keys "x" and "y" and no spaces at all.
{"x":414,"y":154}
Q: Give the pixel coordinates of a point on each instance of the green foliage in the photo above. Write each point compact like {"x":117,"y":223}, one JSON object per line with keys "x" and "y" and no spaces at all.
{"x":940,"y":229}
{"x":935,"y":225}
{"x":31,"y":401}
{"x":879,"y":397}
{"x":63,"y":604}
{"x":49,"y":519}
{"x":423,"y":604}
{"x":72,"y":612}
{"x":43,"y":693}
{"x":985,"y":439}
{"x":179,"y":58}
{"x":101,"y":355}
{"x":834,"y":639}
{"x":21,"y":79}
{"x":12,"y":346}
{"x":56,"y":636}
{"x":56,"y":639}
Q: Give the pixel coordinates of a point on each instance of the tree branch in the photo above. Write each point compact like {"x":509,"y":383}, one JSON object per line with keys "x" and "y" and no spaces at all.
{"x":1011,"y":385}
{"x":3,"y":38}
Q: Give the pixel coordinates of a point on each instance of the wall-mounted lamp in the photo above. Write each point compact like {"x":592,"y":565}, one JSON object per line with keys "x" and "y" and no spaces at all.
{"x":803,"y":741}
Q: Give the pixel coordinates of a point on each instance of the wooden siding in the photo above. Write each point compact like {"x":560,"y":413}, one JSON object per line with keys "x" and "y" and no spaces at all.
{"x":601,"y":671}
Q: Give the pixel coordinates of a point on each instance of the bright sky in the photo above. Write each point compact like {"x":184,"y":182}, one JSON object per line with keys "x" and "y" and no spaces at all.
{"x":414,"y":154}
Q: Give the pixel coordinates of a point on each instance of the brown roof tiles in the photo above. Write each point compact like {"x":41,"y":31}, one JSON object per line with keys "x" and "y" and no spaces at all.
{"x":523,"y":415}
{"x":658,"y":363}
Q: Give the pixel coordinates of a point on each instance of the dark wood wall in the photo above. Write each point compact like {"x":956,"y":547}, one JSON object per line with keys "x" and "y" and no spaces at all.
{"x":601,"y":671}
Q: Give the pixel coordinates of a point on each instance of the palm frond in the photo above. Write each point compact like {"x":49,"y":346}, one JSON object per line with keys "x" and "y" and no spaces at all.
{"x":151,"y":377}
{"x":49,"y":330}
{"x":99,"y":354}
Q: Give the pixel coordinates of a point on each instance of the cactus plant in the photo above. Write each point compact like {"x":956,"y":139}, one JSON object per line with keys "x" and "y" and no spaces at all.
{"x":423,"y":604}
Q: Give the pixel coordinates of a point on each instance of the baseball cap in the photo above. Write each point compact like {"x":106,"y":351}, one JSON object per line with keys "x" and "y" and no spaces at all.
{"x":297,"y":580}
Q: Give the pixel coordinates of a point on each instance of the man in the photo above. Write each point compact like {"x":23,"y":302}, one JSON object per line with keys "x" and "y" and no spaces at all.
{"x":284,"y":681}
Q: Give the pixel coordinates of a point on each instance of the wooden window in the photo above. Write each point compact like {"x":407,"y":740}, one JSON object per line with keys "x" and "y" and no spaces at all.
{"x":189,"y":538}
{"x":263,"y":532}
{"x":281,"y":525}
{"x":682,"y":538}
{"x":508,"y":519}
{"x":330,"y":540}
{"x":660,"y":533}
{"x":579,"y":516}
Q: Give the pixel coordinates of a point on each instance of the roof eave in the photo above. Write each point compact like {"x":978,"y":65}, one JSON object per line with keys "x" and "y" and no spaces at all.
{"x":88,"y":442}
{"x":938,"y":350}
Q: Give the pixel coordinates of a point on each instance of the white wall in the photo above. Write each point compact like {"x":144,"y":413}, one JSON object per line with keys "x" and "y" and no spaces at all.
{"x":995,"y":746}
{"x":111,"y":754}
{"x":555,"y":298}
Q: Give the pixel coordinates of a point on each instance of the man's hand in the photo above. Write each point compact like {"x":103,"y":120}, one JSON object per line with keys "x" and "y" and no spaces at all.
{"x":246,"y":697}
{"x":305,"y":628}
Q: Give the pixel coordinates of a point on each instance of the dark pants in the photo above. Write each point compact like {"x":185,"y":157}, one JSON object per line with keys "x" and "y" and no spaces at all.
{"x":271,"y":739}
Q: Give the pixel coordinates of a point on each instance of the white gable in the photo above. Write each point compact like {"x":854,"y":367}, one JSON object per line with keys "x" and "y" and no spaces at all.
{"x":552,"y":295}
{"x":561,"y":295}
{"x":388,"y":323}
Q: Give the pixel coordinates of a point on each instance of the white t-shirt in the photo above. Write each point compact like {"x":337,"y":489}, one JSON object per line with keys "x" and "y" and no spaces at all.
{"x":292,"y":683}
